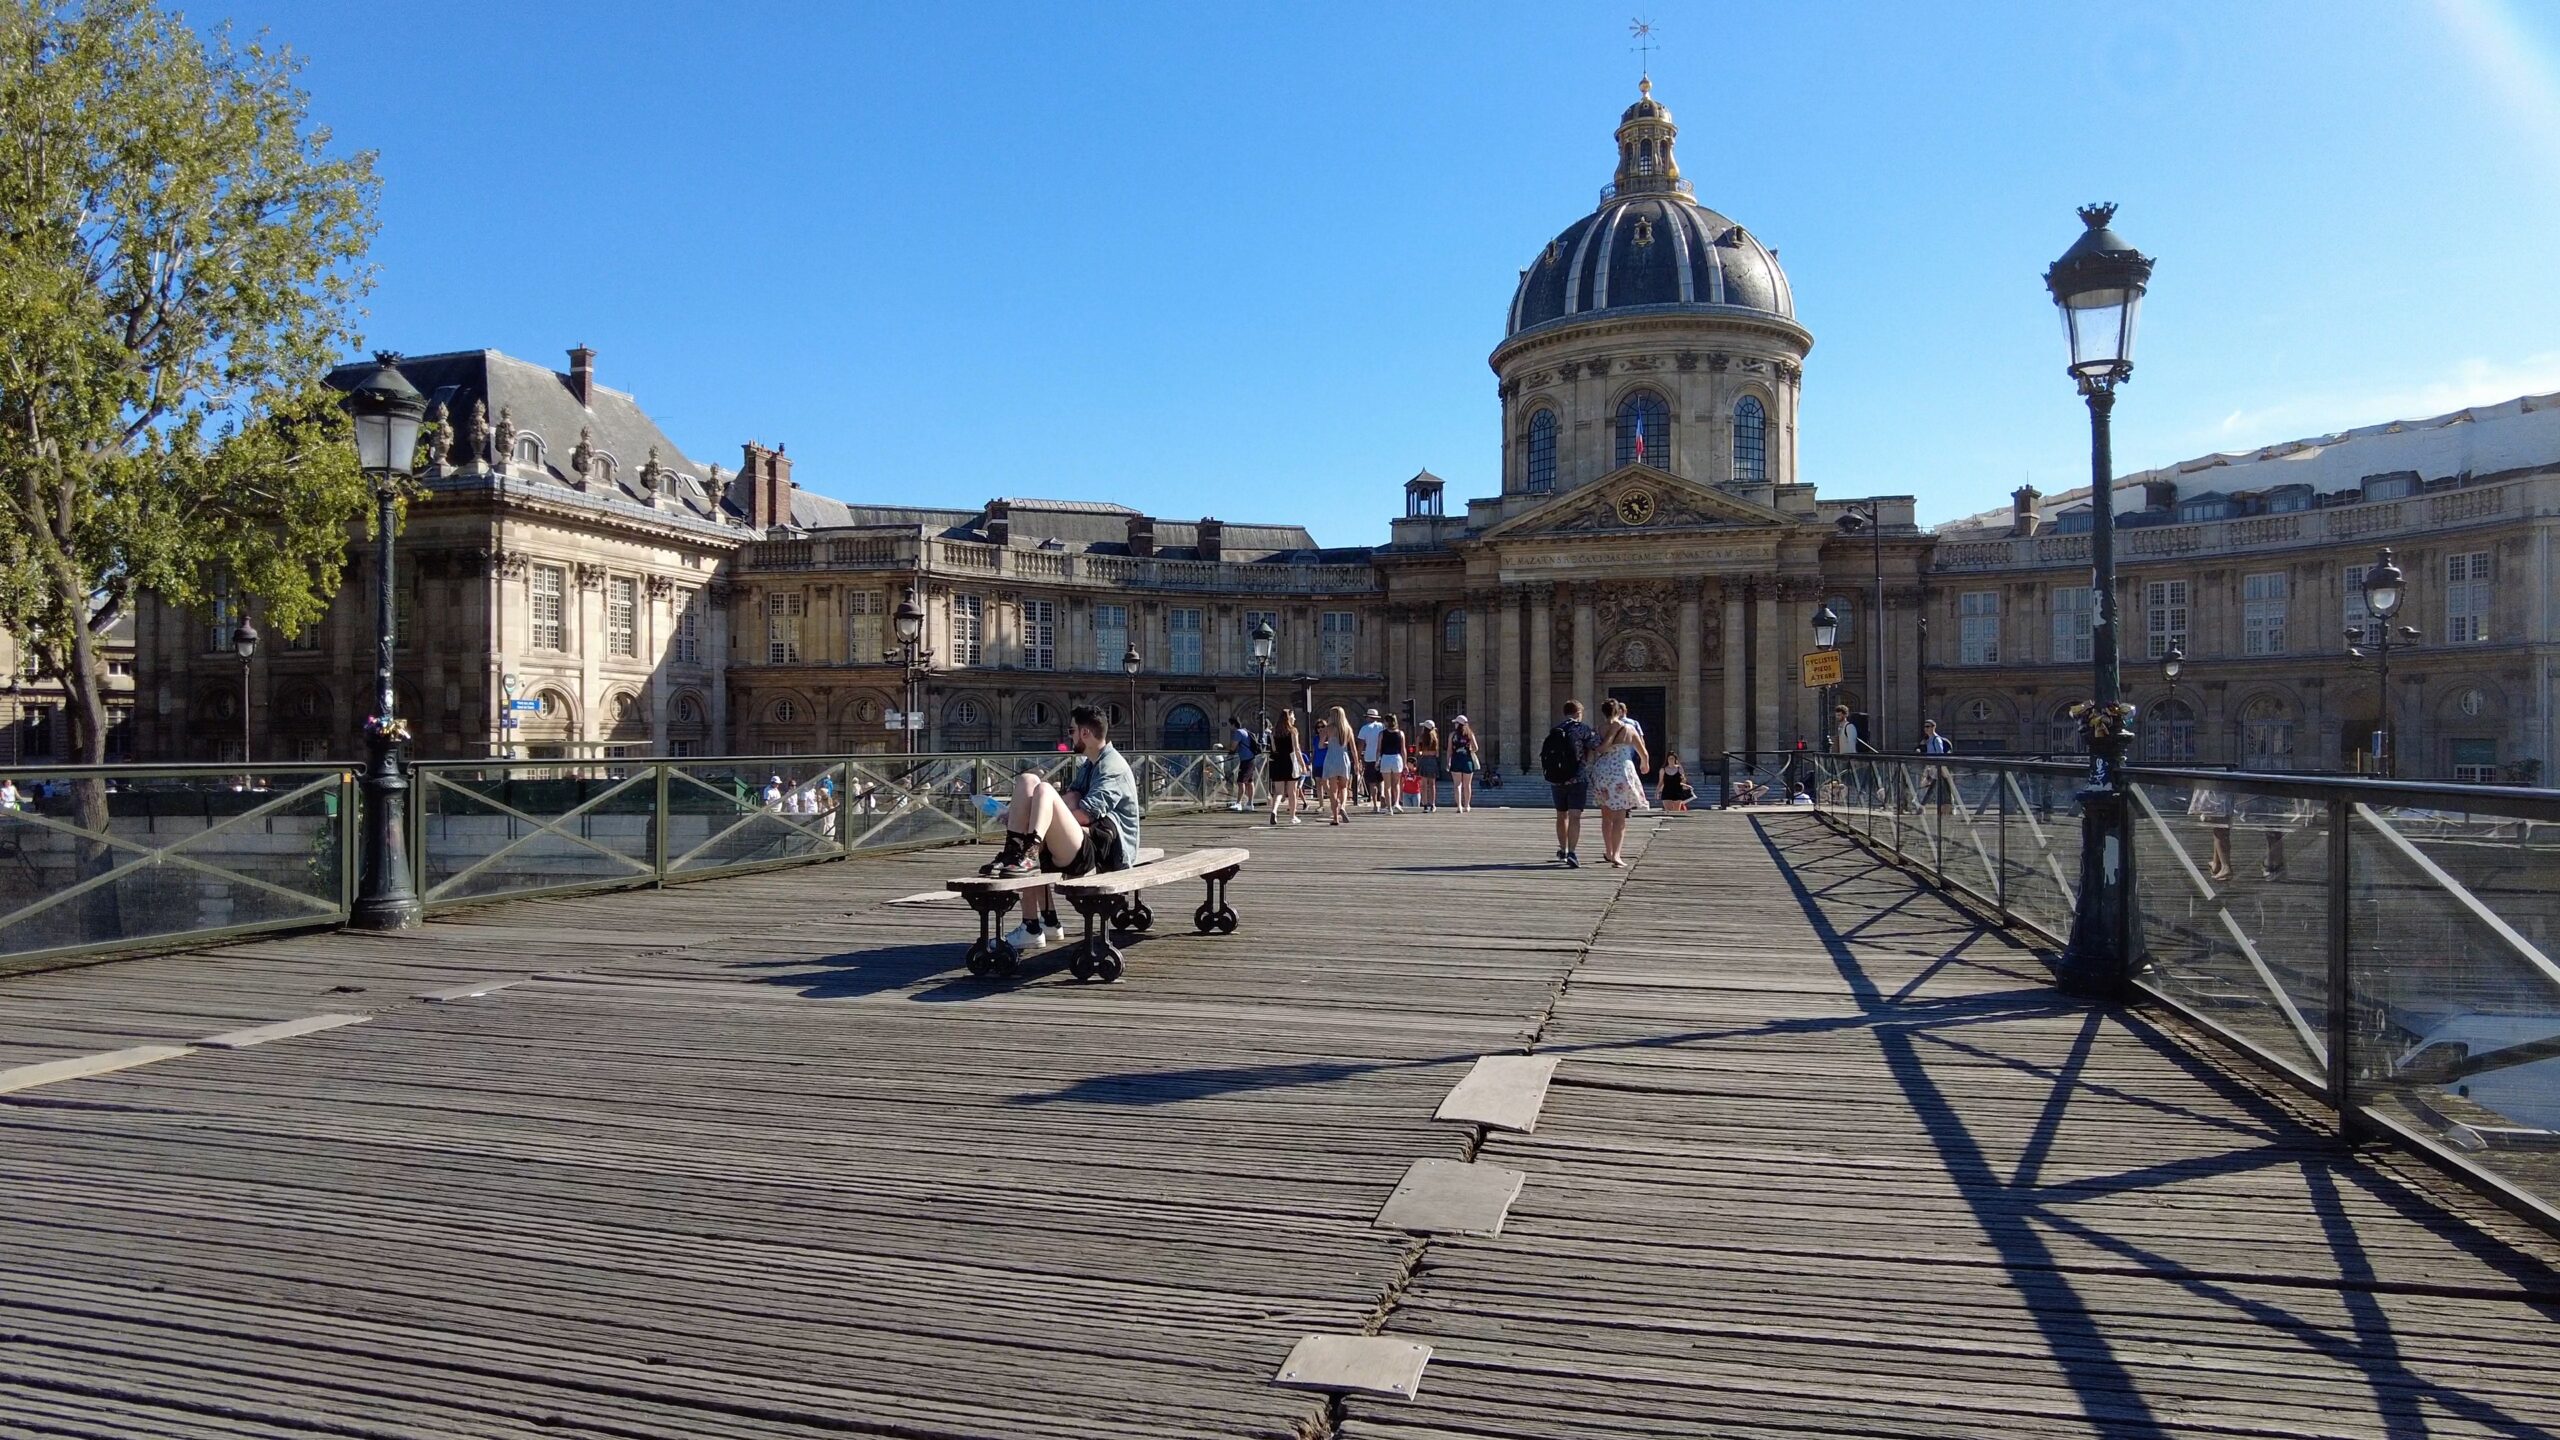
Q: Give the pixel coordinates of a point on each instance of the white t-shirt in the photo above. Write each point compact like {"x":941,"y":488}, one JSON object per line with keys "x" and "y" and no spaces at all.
{"x":1844,"y":739}
{"x":1799,"y":798}
{"x":1369,"y":736}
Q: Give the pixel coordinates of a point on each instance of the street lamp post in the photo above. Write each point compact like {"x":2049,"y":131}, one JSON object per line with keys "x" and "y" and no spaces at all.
{"x":908,"y":623}
{"x":1130,"y":665}
{"x":2098,"y":285}
{"x":244,"y":639}
{"x":1262,"y":642}
{"x":2170,"y":664}
{"x":2384,"y":588}
{"x":387,"y":410}
{"x":1826,"y":636}
{"x":1855,"y":519}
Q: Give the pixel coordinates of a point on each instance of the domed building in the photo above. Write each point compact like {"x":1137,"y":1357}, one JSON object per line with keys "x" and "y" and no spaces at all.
{"x":1654,"y":272}
{"x":1652,"y":539}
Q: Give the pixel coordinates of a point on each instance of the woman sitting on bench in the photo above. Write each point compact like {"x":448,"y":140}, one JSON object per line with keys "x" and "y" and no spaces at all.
{"x":1091,"y":825}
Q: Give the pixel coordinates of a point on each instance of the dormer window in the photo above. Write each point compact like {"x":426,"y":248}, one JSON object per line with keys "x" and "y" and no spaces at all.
{"x":528,"y":452}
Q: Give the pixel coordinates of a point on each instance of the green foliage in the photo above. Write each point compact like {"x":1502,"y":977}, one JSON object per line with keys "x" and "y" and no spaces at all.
{"x":180,"y":261}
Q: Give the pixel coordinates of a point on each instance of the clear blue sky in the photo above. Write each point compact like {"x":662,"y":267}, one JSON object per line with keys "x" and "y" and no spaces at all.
{"x":1249,"y":261}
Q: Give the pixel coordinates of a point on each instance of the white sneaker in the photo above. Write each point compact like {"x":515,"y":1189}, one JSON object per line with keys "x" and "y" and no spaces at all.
{"x":1293,"y":819}
{"x":1238,"y":806}
{"x":1053,"y":932}
{"x":1026,"y":936}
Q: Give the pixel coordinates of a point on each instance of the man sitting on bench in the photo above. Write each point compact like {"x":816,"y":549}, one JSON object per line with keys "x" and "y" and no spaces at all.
{"x":1091,"y":825}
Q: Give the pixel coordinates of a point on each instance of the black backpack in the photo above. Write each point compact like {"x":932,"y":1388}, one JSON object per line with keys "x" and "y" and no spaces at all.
{"x":1560,"y":757}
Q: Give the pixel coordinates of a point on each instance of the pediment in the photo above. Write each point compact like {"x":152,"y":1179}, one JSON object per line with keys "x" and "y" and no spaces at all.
{"x":1634,"y":499}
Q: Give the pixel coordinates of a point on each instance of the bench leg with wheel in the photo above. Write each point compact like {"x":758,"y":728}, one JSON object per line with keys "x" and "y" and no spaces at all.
{"x":990,"y":954}
{"x":1214,"y":912}
{"x":1095,"y":956}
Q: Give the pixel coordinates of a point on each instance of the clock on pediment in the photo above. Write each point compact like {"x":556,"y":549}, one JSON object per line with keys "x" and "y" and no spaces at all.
{"x":1637,"y":507}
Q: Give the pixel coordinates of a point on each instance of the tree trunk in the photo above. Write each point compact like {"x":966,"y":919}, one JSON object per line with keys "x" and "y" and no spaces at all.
{"x":84,"y":682}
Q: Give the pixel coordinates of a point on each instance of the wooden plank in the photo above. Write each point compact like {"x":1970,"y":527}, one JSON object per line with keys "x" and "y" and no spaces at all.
{"x":1164,"y":872}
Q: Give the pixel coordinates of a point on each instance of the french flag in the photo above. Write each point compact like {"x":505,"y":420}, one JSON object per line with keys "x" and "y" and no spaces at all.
{"x":1639,"y":435}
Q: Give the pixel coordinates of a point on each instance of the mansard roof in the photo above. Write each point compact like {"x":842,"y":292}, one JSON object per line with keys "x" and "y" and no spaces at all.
{"x":539,"y":402}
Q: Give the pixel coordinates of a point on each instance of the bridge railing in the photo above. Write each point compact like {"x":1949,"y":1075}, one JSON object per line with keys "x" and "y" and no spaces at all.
{"x":2388,"y":948}
{"x":114,"y":857}
{"x":103,"y":859}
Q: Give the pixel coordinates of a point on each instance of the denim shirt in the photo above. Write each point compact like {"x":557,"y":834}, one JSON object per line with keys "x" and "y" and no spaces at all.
{"x":1110,"y":788}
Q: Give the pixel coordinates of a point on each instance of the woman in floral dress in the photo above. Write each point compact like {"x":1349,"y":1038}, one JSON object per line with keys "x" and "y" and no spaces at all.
{"x":1617,"y":778}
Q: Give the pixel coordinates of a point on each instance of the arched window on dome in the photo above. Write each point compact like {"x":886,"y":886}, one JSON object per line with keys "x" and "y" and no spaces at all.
{"x":1542,"y":452}
{"x":1644,"y":430}
{"x":1750,"y":440}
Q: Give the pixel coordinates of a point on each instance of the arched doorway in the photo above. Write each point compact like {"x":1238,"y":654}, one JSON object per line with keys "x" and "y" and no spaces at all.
{"x":1186,"y":727}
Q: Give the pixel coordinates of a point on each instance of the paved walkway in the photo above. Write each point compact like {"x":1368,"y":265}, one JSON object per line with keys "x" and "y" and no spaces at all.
{"x":754,"y":1159}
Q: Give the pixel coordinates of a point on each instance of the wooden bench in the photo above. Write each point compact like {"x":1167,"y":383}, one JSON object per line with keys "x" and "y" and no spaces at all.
{"x":993,"y":899}
{"x":1116,"y":899}
{"x":1111,"y":900}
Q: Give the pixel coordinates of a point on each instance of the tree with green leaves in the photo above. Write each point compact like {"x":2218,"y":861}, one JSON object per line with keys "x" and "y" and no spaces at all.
{"x":180,"y":262}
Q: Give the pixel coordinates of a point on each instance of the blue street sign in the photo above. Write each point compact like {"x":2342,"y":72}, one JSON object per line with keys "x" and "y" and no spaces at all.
{"x":524,"y":705}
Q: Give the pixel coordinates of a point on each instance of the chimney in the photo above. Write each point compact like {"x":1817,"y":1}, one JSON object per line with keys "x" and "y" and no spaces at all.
{"x":1213,"y":539}
{"x":1142,"y":536}
{"x":2159,"y":494}
{"x":582,"y":374}
{"x":764,"y":480}
{"x":2023,"y":519}
{"x":777,"y":469}
{"x":999,"y":525}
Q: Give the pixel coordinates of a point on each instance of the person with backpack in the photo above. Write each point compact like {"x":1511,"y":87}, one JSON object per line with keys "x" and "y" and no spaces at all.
{"x":1462,"y":763}
{"x":1566,"y":758}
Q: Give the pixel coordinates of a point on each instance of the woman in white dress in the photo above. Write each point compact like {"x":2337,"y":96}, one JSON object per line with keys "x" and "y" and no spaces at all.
{"x":1617,"y":778}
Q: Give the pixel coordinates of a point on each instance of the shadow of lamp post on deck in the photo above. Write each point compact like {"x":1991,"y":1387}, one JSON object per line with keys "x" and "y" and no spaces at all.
{"x":387,"y":410}
{"x":2098,"y":285}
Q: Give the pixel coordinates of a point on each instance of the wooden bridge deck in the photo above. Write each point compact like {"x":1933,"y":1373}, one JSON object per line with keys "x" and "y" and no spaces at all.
{"x":1823,"y":1157}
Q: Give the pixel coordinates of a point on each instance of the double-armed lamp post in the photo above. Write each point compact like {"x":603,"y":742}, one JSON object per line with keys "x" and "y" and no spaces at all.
{"x":2384,"y":588}
{"x":1826,"y":636}
{"x":908,"y":623}
{"x":1262,"y":643}
{"x":2171,"y":666}
{"x":2098,"y":284}
{"x":387,"y":410}
{"x":1130,"y":665}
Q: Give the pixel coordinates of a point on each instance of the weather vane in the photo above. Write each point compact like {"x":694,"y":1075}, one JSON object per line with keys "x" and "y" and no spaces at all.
{"x":1642,"y":29}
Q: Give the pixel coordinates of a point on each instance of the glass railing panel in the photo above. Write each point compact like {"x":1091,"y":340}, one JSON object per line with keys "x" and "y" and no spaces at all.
{"x":507,"y":828}
{"x":1967,"y":801}
{"x":724,"y":814}
{"x":91,"y":862}
{"x":2040,"y":848}
{"x":2232,"y":882}
{"x":2454,"y":1013}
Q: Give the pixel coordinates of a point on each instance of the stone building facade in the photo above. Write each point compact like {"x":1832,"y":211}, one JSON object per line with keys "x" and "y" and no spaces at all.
{"x":1651,"y":537}
{"x":2252,"y":566}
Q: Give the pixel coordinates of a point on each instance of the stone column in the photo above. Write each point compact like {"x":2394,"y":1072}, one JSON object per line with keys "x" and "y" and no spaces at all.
{"x":1687,"y":713}
{"x":1586,"y":651}
{"x":1422,"y":642}
{"x":1479,"y":615}
{"x":1542,"y":651}
{"x":716,"y":620}
{"x":1734,"y":673}
{"x":1770,"y":670}
{"x":1399,"y":655}
{"x":1508,"y":741}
